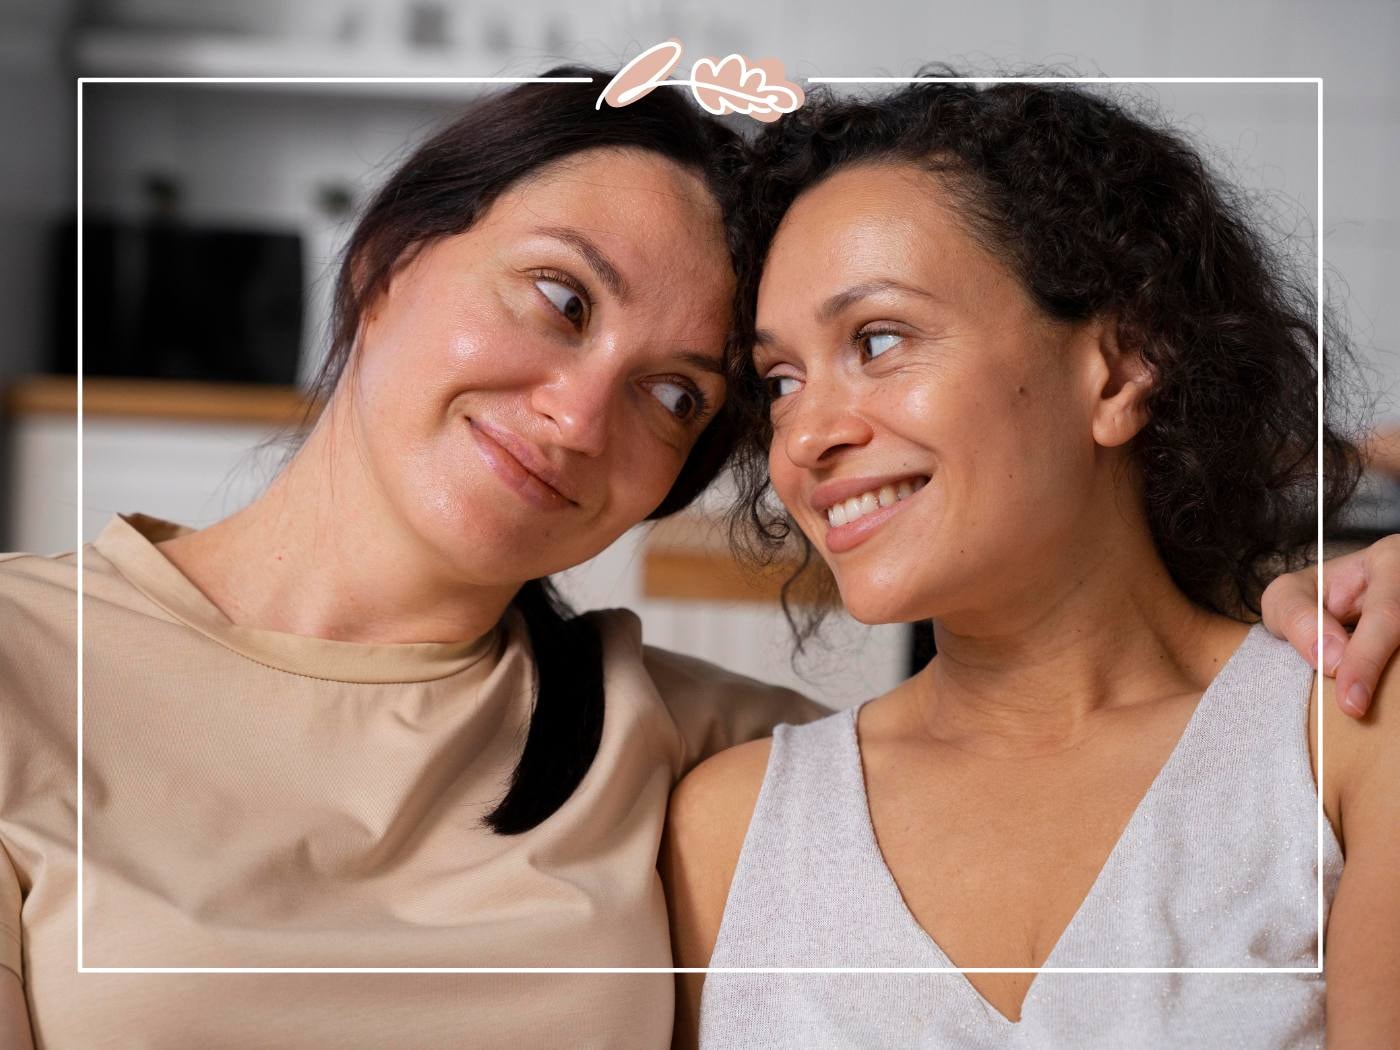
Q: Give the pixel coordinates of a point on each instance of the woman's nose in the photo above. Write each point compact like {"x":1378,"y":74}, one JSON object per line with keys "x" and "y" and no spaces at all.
{"x":579,"y":404}
{"x":824,"y":422}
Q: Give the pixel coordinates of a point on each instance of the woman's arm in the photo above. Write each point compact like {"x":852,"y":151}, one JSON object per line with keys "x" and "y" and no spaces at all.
{"x":715,"y":709}
{"x":705,"y":828}
{"x":14,"y":1014}
{"x":1362,"y":589}
{"x":1360,"y":786}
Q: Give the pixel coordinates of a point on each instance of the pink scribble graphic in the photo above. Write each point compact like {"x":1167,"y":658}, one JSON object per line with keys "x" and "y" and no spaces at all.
{"x":642,"y":75}
{"x":732,"y":84}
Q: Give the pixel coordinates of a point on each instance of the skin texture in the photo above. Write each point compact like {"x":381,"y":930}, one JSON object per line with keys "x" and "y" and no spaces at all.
{"x":390,"y":524}
{"x":1068,"y":663}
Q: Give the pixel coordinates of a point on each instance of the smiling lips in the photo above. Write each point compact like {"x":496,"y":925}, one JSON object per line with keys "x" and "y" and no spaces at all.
{"x":521,"y":466}
{"x":857,"y":507}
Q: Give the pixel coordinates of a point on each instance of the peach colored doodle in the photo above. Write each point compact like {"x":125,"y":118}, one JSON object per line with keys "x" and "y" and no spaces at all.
{"x":728,"y":85}
{"x":731,"y":85}
{"x":642,"y":75}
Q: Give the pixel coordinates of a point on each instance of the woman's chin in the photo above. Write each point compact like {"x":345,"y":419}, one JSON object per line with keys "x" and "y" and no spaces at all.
{"x":873,"y":608}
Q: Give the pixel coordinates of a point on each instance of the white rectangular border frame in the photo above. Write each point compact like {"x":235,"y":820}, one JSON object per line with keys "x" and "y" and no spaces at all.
{"x":1321,"y":816}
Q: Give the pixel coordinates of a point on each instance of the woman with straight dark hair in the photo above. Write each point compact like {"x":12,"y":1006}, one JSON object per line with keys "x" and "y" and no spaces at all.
{"x":351,"y":725}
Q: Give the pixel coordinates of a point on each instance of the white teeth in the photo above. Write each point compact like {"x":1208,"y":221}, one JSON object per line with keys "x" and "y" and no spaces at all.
{"x":859,"y":506}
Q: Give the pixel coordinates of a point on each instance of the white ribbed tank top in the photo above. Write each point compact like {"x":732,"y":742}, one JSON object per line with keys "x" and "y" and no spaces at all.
{"x":1217,"y":867}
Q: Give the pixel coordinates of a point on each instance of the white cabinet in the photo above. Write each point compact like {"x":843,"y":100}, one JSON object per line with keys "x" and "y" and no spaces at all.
{"x":193,"y":473}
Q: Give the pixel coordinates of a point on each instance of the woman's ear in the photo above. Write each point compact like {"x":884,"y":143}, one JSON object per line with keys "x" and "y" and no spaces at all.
{"x":1123,"y":379}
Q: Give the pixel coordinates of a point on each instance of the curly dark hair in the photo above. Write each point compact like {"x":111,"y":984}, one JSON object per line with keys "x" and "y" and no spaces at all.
{"x":1099,"y":213}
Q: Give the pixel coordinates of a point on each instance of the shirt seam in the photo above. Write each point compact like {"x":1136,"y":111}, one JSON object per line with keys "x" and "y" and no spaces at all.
{"x":176,"y":618}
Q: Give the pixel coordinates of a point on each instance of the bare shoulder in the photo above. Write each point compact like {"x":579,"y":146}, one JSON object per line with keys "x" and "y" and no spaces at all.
{"x":1360,"y":787}
{"x":1360,"y":757}
{"x":705,"y":828}
{"x":711,"y":808}
{"x":726,"y":779}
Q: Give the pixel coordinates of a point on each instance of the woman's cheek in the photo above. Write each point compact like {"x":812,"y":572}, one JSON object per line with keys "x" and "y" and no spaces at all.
{"x":785,"y":476}
{"x":644,"y":473}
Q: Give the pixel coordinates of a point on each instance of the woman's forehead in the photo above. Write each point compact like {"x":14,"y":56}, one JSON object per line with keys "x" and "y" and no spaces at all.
{"x":869,"y":222}
{"x":649,"y":216}
{"x":633,"y":185}
{"x":888,"y":198}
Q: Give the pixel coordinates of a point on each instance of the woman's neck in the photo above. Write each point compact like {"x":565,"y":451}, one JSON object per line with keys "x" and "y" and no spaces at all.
{"x":1032,"y":678}
{"x":321,"y":554}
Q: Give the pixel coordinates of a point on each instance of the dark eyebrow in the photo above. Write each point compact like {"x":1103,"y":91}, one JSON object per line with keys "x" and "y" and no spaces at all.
{"x":765,"y":343}
{"x":704,"y":362}
{"x":845,"y":298}
{"x":599,"y":263}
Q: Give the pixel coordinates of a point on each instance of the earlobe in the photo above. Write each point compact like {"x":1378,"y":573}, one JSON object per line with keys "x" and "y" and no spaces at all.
{"x":1125,"y":382}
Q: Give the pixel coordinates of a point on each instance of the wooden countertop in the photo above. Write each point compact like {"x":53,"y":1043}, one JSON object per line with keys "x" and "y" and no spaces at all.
{"x":162,"y":399}
{"x":687,"y":557}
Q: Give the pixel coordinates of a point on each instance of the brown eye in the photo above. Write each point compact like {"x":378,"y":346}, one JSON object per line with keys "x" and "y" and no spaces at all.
{"x":566,"y":300}
{"x":680,"y":401}
{"x":780,"y":386}
{"x":875,"y":343}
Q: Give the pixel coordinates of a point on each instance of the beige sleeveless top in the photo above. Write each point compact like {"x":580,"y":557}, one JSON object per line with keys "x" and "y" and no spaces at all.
{"x":1217,"y":867}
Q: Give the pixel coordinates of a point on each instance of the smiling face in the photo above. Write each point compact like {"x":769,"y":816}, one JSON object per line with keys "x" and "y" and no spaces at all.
{"x":940,"y":441}
{"x":526,"y":391}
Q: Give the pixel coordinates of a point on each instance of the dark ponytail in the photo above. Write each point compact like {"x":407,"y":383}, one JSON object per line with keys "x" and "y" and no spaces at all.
{"x":441,"y":190}
{"x":567,"y":724}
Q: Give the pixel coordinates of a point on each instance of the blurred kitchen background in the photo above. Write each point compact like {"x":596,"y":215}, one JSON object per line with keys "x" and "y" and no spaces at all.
{"x":217,"y":210}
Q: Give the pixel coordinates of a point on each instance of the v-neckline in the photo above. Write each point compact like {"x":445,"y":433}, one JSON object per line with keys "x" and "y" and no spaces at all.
{"x":901,"y":906}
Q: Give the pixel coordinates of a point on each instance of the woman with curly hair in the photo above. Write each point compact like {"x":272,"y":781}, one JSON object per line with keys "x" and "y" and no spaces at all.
{"x":1026,"y":369}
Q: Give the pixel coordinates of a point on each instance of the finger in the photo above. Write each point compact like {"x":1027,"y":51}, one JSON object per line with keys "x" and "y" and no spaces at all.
{"x":1289,"y":605}
{"x":1344,"y":583}
{"x":1378,"y":627}
{"x":1372,"y":644}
